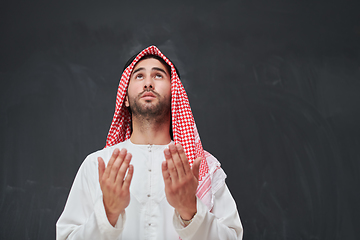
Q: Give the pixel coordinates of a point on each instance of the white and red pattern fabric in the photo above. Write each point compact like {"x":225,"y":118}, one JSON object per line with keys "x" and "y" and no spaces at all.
{"x":183,"y":127}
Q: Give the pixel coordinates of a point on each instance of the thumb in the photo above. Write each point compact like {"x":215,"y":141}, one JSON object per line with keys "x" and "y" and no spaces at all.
{"x":196,"y":167}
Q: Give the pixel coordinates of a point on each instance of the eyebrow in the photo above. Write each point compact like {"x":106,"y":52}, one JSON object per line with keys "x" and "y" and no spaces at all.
{"x":154,"y":68}
{"x":159,"y":69}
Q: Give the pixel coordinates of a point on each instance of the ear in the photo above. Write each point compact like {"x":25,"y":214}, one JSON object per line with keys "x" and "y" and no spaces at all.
{"x":127,"y":101}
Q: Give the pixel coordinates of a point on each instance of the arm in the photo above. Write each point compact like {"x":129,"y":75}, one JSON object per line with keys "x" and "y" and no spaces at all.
{"x":181,"y":181}
{"x":222,"y":222}
{"x":84,"y":215}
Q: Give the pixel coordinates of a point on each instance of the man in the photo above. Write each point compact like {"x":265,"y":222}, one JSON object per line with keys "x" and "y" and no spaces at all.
{"x":153,"y":180}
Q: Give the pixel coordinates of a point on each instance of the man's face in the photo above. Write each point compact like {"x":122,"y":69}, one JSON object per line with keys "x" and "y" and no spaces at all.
{"x":149,"y":91}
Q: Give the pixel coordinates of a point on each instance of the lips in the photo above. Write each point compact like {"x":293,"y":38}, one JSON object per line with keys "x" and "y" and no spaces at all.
{"x":148,"y":94}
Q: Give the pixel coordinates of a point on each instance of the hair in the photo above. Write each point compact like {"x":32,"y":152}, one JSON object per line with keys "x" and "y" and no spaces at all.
{"x":152,"y":56}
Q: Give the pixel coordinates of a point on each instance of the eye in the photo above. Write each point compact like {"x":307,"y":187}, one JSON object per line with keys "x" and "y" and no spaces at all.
{"x":139,"y":76}
{"x":158,"y":76}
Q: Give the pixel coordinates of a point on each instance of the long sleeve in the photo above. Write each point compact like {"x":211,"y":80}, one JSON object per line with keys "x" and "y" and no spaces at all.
{"x":84,"y":215}
{"x":222,"y":222}
{"x":148,"y":215}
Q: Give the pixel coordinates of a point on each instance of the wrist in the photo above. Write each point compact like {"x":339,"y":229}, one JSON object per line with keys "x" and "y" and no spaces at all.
{"x":113,"y":218}
{"x":186,"y":222}
{"x":112,"y":215}
{"x":188,"y":212}
{"x":187,"y":216}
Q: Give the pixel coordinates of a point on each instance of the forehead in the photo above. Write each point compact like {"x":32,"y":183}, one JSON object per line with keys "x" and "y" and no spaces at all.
{"x":150,"y":63}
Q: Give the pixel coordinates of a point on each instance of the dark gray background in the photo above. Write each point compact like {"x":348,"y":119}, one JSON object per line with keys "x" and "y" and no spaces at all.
{"x":274,"y":87}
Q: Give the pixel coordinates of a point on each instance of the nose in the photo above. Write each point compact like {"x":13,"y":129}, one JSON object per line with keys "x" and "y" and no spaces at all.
{"x":148,"y":83}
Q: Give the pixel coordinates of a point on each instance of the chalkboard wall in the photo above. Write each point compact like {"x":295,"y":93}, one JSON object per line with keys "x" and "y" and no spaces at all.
{"x":274,"y":87}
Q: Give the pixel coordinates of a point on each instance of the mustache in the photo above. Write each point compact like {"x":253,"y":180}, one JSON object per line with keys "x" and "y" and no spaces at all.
{"x":152,"y":91}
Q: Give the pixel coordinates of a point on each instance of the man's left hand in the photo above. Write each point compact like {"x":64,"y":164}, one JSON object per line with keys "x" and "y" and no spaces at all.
{"x":181,"y":181}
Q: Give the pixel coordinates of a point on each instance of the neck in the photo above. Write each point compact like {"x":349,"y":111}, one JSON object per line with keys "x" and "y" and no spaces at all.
{"x":146,"y":131}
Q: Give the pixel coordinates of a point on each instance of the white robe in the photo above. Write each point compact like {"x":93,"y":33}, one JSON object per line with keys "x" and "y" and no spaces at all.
{"x":149,"y":215}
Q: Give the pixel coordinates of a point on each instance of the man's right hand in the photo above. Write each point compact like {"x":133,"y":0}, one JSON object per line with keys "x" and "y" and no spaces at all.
{"x":114,"y":184}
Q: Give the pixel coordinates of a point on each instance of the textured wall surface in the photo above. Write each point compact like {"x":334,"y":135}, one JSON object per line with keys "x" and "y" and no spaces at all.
{"x":274,"y":87}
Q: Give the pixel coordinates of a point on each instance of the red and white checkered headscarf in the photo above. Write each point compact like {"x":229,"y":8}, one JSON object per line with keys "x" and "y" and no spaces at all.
{"x":183,"y":125}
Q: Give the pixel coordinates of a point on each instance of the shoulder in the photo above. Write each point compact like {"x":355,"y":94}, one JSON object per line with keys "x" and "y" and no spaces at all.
{"x":212,"y":162}
{"x":104,"y":153}
{"x":216,"y":173}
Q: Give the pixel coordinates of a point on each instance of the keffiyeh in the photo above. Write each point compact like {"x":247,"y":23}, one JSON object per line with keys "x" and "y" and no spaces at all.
{"x":183,"y":127}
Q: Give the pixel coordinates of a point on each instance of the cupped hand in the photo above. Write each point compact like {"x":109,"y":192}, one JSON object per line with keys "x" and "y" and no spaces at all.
{"x":181,"y":181}
{"x":115,"y":183}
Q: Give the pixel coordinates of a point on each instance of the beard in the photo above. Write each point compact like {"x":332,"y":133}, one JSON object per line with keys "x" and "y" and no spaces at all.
{"x":150,"y":111}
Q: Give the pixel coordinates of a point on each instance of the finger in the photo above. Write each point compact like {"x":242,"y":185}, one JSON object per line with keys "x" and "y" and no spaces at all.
{"x":177,"y":161}
{"x":165,"y":173}
{"x":111,"y":162}
{"x":196,"y":167}
{"x":122,"y":170}
{"x":101,"y":168}
{"x":184,"y":159}
{"x":128,"y":178}
{"x":170,"y":165}
{"x":115,"y":167}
